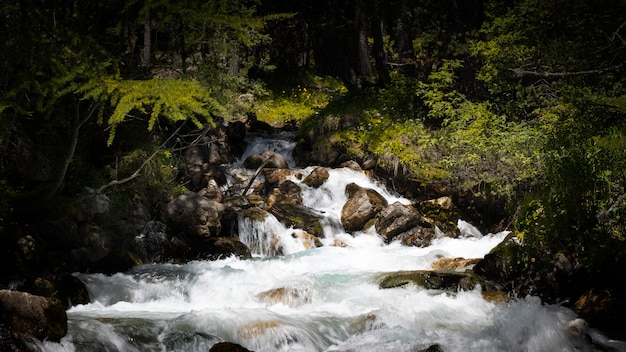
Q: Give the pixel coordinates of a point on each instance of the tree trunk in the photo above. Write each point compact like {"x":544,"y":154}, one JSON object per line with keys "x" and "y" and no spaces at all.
{"x":363,"y":66}
{"x":147,"y":43}
{"x":404,"y":40}
{"x":379,"y":52}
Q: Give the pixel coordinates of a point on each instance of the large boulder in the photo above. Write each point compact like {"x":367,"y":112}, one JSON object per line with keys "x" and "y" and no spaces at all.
{"x":362,"y":206}
{"x":434,"y":280}
{"x":299,"y":217}
{"x":194,"y":215}
{"x":288,"y":192}
{"x":396,"y":219}
{"x":268,"y":158}
{"x":40,"y":317}
{"x":317,"y":177}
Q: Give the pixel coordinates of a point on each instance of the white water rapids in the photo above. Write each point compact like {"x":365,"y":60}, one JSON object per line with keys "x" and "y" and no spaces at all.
{"x":333,"y":299}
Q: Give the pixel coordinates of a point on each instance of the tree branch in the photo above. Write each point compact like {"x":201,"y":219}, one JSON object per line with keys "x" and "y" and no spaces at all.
{"x":137,"y":172}
{"x":78,"y":124}
{"x":617,"y":35}
{"x":519,"y":72}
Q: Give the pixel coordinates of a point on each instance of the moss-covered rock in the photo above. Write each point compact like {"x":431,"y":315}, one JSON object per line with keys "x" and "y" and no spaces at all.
{"x":299,"y":217}
{"x":433,"y":280}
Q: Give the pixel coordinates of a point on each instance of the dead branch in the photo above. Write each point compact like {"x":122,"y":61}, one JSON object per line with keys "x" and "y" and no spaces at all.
{"x":519,"y":72}
{"x":137,"y":172}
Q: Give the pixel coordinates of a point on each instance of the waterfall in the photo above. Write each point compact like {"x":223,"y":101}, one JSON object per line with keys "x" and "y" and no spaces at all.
{"x":294,"y":296}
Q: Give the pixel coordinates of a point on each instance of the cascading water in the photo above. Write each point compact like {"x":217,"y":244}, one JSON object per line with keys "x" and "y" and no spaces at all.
{"x":311,"y":298}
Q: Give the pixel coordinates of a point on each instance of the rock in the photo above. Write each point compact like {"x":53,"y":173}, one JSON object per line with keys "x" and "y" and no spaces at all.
{"x":369,"y":164}
{"x":36,"y":316}
{"x":433,"y":280}
{"x":602,"y":308}
{"x":455,"y":264}
{"x":260,"y":127}
{"x":308,"y":240}
{"x":194,"y":215}
{"x":317,"y":177}
{"x":352,"y":165}
{"x":432,"y":348}
{"x":501,"y":263}
{"x":228,"y":347}
{"x":366,"y":322}
{"x":212,"y":191}
{"x":441,"y":213}
{"x":496,"y":296}
{"x":288,"y":192}
{"x":9,"y":342}
{"x":395,"y":219}
{"x":299,"y":217}
{"x":339,"y":243}
{"x":257,"y":328}
{"x":417,"y":236}
{"x":362,"y":206}
{"x":68,"y":289}
{"x":270,"y":158}
{"x":89,"y":204}
{"x":292,"y":296}
{"x":218,"y":248}
{"x":275,"y":176}
{"x":152,"y":245}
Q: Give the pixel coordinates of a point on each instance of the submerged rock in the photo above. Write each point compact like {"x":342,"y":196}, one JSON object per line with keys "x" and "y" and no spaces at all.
{"x":292,"y":296}
{"x":455,"y":264}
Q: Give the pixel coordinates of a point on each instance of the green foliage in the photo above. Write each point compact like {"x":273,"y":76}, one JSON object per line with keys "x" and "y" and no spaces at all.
{"x":173,"y":99}
{"x":481,"y":149}
{"x":582,"y":203}
{"x":156,"y":178}
{"x":294,"y":104}
{"x":532,"y":48}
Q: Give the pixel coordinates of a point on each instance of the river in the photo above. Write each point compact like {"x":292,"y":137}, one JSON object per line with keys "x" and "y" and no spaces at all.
{"x":312,"y":298}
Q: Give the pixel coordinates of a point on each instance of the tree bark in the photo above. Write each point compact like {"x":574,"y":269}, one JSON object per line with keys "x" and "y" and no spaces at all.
{"x":147,"y":43}
{"x":379,"y":52}
{"x":363,"y":66}
{"x":404,"y":41}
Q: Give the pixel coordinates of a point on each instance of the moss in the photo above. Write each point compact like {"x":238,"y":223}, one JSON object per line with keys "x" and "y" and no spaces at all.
{"x":433,"y":280}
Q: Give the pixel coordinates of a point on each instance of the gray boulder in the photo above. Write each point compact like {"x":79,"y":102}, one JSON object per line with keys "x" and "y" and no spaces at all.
{"x":395,"y":219}
{"x":362,"y":206}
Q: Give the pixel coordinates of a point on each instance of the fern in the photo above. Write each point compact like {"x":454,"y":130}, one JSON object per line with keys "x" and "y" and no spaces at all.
{"x":173,"y":99}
